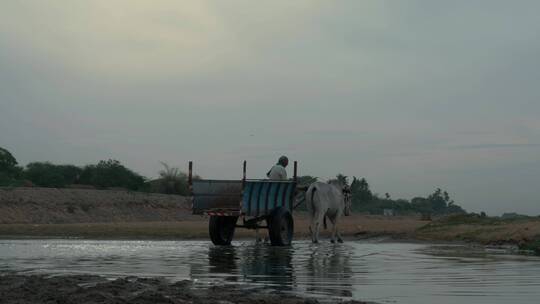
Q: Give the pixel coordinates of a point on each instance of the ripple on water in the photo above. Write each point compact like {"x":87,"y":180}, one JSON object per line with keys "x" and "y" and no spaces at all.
{"x":377,"y":271}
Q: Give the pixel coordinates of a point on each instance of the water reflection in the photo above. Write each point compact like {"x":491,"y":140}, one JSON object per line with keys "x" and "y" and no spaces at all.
{"x":329,"y":270}
{"x":222,"y":259}
{"x":256,"y":263}
{"x":319,"y":269}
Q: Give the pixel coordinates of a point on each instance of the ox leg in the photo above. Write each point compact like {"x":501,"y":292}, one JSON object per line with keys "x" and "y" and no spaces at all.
{"x":318,"y":224}
{"x":316,"y":221}
{"x":334,"y":229}
{"x":335,"y":232}
{"x":257,"y":236}
{"x":340,"y":214}
{"x":339,"y":239}
{"x":312,"y":228}
{"x":338,"y":234}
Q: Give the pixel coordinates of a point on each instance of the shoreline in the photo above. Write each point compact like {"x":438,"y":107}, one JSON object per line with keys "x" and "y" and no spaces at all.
{"x":87,"y":289}
{"x":512,"y":248}
{"x":464,"y":229}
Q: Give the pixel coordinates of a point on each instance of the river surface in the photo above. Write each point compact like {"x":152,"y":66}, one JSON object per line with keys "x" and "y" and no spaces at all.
{"x":379,"y":271}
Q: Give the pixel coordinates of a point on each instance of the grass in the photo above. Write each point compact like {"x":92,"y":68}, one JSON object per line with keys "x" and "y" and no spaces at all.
{"x":523,"y":232}
{"x":465,"y":219}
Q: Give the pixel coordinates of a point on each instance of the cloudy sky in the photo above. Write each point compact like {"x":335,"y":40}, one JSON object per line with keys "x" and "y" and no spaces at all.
{"x":412,"y":95}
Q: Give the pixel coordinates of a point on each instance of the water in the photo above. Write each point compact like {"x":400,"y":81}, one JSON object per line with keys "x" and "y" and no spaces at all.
{"x":369,"y":270}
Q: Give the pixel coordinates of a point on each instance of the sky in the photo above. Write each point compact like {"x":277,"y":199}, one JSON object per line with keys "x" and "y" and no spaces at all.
{"x":412,"y":95}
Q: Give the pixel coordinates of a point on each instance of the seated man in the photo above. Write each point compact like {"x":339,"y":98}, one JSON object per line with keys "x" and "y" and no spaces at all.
{"x":278,"y":171}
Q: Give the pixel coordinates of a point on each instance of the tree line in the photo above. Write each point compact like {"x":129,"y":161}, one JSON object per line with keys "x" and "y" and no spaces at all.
{"x":365,"y":201}
{"x":105,"y":174}
{"x":112,"y":174}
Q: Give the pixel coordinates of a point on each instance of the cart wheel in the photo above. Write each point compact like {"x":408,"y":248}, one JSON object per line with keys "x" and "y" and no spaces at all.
{"x":221,"y":229}
{"x":280,"y":227}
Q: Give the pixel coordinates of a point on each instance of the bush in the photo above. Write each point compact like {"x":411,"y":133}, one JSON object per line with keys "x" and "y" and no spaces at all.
{"x":45,"y":174}
{"x":6,"y":180}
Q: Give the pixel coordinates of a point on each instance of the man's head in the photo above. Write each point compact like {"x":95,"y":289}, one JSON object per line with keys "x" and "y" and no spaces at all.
{"x":284,"y":161}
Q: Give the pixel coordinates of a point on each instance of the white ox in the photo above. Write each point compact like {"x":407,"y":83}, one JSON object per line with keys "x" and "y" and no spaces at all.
{"x":327,"y":200}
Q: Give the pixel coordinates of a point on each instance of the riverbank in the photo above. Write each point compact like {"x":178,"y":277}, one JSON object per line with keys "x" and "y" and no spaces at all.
{"x":89,"y":289}
{"x":523,"y":233}
{"x":121,"y":214}
{"x":196,"y":227}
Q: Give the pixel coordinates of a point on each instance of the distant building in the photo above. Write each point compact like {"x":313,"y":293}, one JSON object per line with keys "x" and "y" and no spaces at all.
{"x":388,"y":212}
{"x":512,"y":216}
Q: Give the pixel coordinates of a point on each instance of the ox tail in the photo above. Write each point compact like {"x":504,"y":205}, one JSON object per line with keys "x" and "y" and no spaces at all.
{"x":310,"y":193}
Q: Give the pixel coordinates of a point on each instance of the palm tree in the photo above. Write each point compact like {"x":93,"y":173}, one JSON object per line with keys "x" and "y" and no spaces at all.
{"x":342,"y":179}
{"x":173,"y":181}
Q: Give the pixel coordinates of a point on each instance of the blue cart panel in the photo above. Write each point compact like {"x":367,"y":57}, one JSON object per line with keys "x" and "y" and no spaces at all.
{"x":250,"y":197}
{"x":260,"y":197}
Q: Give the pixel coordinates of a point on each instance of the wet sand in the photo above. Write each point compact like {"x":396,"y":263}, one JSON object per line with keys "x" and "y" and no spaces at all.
{"x":86,"y":289}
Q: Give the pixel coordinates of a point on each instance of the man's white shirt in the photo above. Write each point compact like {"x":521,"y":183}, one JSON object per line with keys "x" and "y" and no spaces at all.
{"x":277,"y":172}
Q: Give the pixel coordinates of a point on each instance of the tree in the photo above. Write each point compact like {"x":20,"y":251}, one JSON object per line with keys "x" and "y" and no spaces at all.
{"x":7,"y":161}
{"x":421,"y":205}
{"x":111,"y":173}
{"x":360,"y":191}
{"x":10,"y":173}
{"x":455,"y":209}
{"x":438,"y":201}
{"x":341,"y":179}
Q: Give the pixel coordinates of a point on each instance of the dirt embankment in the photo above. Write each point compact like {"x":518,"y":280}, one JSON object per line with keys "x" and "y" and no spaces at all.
{"x":86,"y":289}
{"x":89,"y":213}
{"x":65,"y":206}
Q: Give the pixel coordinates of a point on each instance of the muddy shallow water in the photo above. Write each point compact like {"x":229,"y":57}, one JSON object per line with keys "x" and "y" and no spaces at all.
{"x":384,"y":272}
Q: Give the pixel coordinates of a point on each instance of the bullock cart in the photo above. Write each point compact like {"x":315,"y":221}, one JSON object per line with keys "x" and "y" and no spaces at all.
{"x":245,"y":203}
